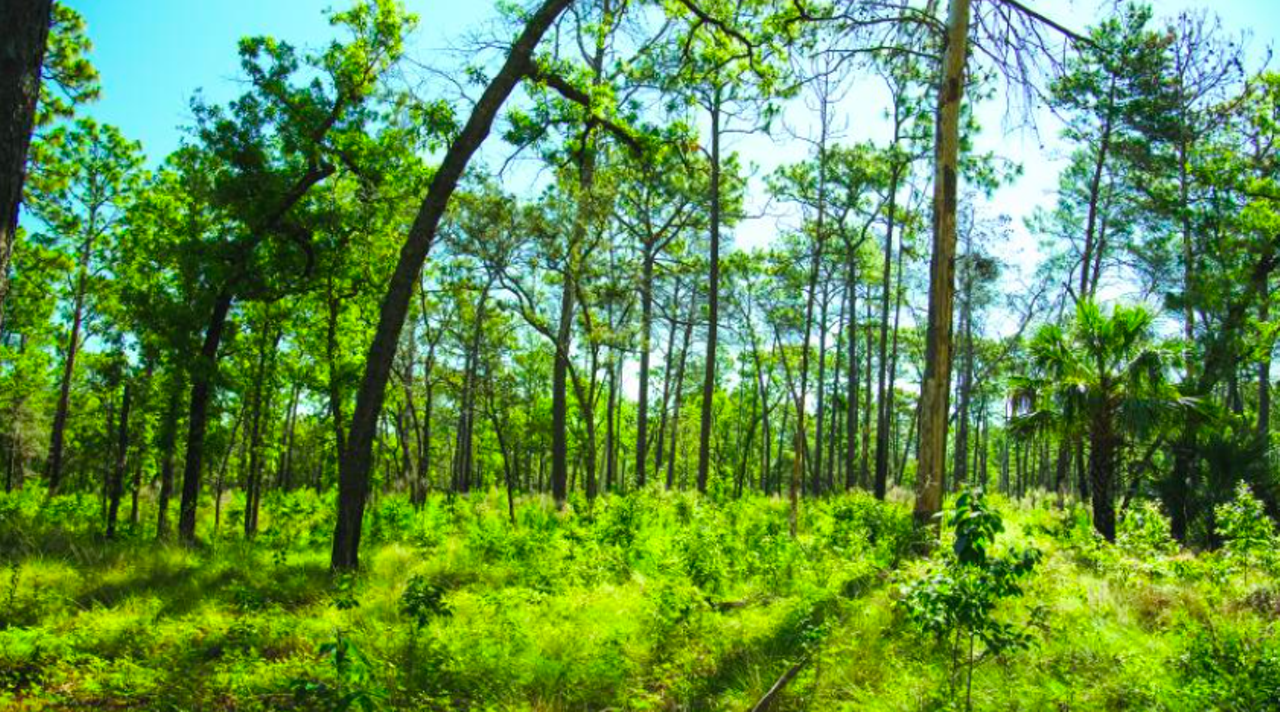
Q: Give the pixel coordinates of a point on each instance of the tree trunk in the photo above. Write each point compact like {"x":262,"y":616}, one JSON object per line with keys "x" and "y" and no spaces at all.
{"x":58,"y":436}
{"x":202,"y":376}
{"x":610,"y":434}
{"x":22,"y":49}
{"x":1264,"y":370}
{"x":168,"y":446}
{"x":713,"y":300}
{"x":960,"y":460}
{"x":334,"y":304}
{"x":353,"y":481}
{"x":1088,"y":287}
{"x":261,"y":409}
{"x":883,"y":399}
{"x":116,"y":490}
{"x":820,"y":414}
{"x":284,"y":481}
{"x":659,"y":451}
{"x":679,"y":392}
{"x":646,"y":341}
{"x":864,"y":463}
{"x":851,"y":387}
{"x":834,"y":429}
{"x":1102,"y":446}
{"x":934,"y":391}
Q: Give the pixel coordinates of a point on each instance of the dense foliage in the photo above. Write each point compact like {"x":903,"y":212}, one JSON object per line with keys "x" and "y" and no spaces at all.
{"x":507,"y":378}
{"x":648,"y":601}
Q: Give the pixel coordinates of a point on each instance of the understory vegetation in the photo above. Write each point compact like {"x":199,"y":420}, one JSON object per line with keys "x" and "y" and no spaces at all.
{"x":644,"y":601}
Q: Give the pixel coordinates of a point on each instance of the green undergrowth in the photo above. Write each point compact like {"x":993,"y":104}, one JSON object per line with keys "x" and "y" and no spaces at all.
{"x":649,"y":601}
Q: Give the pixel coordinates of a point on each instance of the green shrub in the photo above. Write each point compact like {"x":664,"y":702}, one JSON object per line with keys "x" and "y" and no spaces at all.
{"x":1144,"y":532}
{"x":1248,"y":534}
{"x":1232,"y":667}
{"x":956,"y":602}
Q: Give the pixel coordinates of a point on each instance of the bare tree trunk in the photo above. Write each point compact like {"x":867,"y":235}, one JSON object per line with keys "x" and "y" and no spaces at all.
{"x":646,"y":345}
{"x":851,"y":388}
{"x":679,"y":391}
{"x":284,"y":481}
{"x":821,"y":413}
{"x":864,"y":463}
{"x":935,"y":389}
{"x":58,"y":436}
{"x":1091,"y":243}
{"x":834,"y":438}
{"x":1264,"y":370}
{"x":116,"y":489}
{"x":713,"y":300}
{"x":884,"y":399}
{"x":659,"y":451}
{"x":610,"y":434}
{"x":960,"y":459}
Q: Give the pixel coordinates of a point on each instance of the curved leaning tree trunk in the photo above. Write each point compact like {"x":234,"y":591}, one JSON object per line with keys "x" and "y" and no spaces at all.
{"x":935,"y":389}
{"x":357,"y":457}
{"x":26,"y":32}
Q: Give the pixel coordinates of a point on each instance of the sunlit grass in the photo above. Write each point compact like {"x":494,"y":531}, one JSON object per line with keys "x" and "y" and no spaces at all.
{"x":662,"y":601}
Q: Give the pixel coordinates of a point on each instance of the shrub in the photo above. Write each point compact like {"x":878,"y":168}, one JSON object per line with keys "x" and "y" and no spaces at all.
{"x":1144,"y":532}
{"x":1248,"y":534}
{"x":1232,"y":667}
{"x":957,"y":602}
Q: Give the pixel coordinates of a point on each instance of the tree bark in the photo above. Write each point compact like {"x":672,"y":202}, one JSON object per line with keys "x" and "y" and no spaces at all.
{"x":202,"y":375}
{"x":646,"y":341}
{"x":713,"y":300}
{"x":1264,"y":370}
{"x":353,"y":479}
{"x":851,"y":382}
{"x":883,"y":398}
{"x":116,"y":490}
{"x":679,"y":392}
{"x":26,"y":33}
{"x":58,"y":435}
{"x":934,"y":392}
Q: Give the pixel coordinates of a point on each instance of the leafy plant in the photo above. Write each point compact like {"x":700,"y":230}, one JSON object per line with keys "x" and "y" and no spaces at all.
{"x":1144,"y":531}
{"x":957,"y":602}
{"x":422,"y":600}
{"x":354,"y":687}
{"x":1248,"y":534}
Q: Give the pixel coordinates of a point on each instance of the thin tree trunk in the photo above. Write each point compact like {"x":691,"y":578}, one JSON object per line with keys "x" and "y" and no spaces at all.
{"x":1264,"y":370}
{"x":116,"y":490}
{"x":58,"y":436}
{"x":356,"y":460}
{"x":851,"y":387}
{"x":658,"y":450}
{"x":884,"y":399}
{"x":679,"y":390}
{"x":646,"y":337}
{"x":713,"y":300}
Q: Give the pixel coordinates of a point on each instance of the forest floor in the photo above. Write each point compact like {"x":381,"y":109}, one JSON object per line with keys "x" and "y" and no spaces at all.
{"x":654,"y":601}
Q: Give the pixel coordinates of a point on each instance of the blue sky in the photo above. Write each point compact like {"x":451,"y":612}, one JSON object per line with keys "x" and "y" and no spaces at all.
{"x":153,"y":54}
